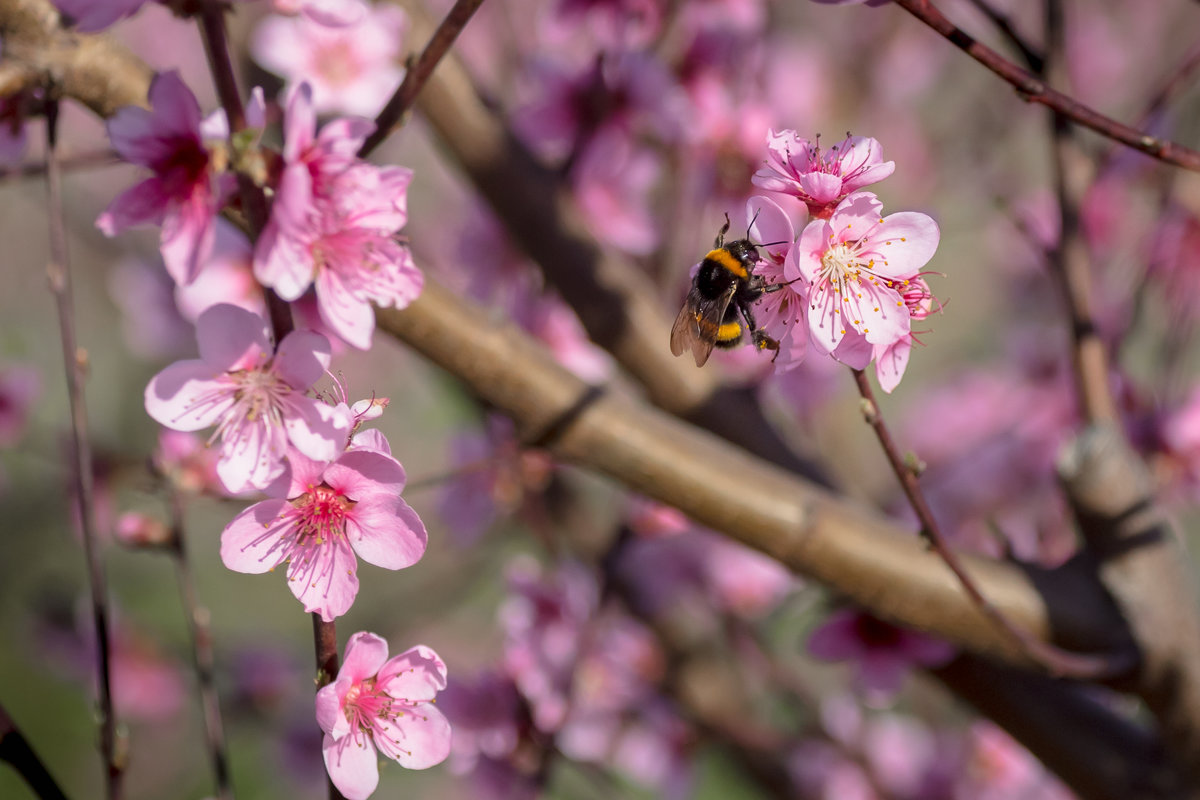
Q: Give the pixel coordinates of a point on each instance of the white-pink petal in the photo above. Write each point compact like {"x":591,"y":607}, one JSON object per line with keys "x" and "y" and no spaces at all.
{"x":365,"y":655}
{"x":386,"y":532}
{"x":325,"y":579}
{"x":423,"y":736}
{"x":360,"y":474}
{"x":316,"y":429}
{"x":907,"y":240}
{"x":352,"y":765}
{"x":417,"y":675}
{"x":302,"y":358}
{"x":232,"y":338}
{"x":251,"y":542}
{"x":188,"y":396}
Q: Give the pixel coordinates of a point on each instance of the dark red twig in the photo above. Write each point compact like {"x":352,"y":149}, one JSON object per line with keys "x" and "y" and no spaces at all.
{"x":1054,"y":659}
{"x":16,"y":751}
{"x":419,"y":72}
{"x":74,"y":361}
{"x":200,"y":633}
{"x":326,"y":642}
{"x":1034,"y":90}
{"x":1032,"y":58}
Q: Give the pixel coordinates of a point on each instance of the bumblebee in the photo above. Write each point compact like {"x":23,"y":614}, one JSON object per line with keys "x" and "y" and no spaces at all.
{"x":724,"y":287}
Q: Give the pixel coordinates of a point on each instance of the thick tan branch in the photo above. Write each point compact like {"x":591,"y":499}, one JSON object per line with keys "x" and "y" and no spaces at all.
{"x":719,"y":485}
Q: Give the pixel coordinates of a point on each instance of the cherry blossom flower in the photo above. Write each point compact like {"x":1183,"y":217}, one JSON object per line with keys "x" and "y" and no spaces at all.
{"x":821,"y":180}
{"x":334,"y":223}
{"x":883,"y":654}
{"x":381,"y":704}
{"x":352,"y":67}
{"x":612,"y":183}
{"x":89,"y":16}
{"x":329,"y":513}
{"x":859,"y":269}
{"x":253,"y":394}
{"x":185,"y":193}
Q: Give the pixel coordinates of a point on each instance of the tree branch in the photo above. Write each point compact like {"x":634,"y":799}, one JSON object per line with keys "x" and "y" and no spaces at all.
{"x":1032,"y":89}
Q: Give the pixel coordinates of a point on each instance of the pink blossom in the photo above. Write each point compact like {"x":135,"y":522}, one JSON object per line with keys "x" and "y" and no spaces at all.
{"x":334,"y":225}
{"x":89,"y":16}
{"x":381,"y":704}
{"x":821,"y":180}
{"x":353,"y":67}
{"x":882,"y":653}
{"x":227,"y":277}
{"x":329,"y":513}
{"x":858,"y":268}
{"x":135,"y":529}
{"x":185,"y":193}
{"x":612,"y":183}
{"x":253,"y":394}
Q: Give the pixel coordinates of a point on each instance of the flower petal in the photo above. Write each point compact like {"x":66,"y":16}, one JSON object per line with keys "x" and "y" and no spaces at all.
{"x":416,"y":675}
{"x":361,"y":473}
{"x":365,"y":655}
{"x":386,"y":532}
{"x":352,"y":765}
{"x":317,"y":430}
{"x":417,"y":740}
{"x":907,"y":240}
{"x":302,"y":358}
{"x":232,"y":338}
{"x":251,"y":542}
{"x":188,"y":396}
{"x":323,"y":578}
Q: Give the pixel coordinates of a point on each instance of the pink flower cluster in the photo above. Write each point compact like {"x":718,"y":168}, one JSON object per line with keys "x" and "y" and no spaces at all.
{"x":852,"y":282}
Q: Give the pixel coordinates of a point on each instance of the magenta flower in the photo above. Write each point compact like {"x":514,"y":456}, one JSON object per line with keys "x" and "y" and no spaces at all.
{"x":185,"y":193}
{"x":254,"y":395}
{"x":859,"y":269}
{"x":331,"y":512}
{"x":821,"y":180}
{"x":883,"y":654}
{"x":381,"y":704}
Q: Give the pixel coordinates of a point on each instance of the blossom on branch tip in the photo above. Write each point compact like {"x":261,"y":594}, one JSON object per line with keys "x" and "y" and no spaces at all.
{"x":253,"y":394}
{"x":334,"y":224}
{"x":821,"y":179}
{"x":187,"y":188}
{"x":329,"y":513}
{"x":385,"y":705}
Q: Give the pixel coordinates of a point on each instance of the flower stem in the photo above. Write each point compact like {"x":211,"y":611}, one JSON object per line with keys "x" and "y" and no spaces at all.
{"x":1054,"y":659}
{"x":75,"y":362}
{"x":418,"y":73}
{"x":326,"y":641}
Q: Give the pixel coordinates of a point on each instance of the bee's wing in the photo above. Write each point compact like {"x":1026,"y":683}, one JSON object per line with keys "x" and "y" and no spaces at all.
{"x":698,"y":323}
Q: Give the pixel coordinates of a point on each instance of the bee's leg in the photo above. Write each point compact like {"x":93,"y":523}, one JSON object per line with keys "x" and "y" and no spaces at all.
{"x":721,"y":233}
{"x":760,"y":338}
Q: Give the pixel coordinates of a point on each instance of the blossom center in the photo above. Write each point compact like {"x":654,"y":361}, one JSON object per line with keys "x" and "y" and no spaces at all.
{"x":322,"y":515}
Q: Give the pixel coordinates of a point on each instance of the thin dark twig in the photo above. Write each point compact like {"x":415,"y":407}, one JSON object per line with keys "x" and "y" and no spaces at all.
{"x":200,"y":633}
{"x":92,"y":158}
{"x":326,"y":645}
{"x":74,"y":361}
{"x":1054,"y":659}
{"x":16,"y":751}
{"x":1003,"y":23}
{"x":1032,"y":89}
{"x":1069,"y":259}
{"x":418,"y":73}
{"x":1174,"y":83}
